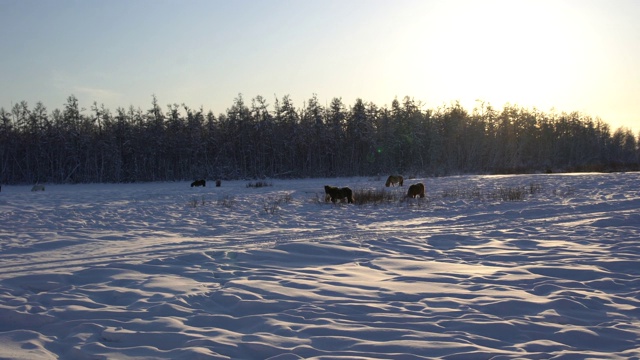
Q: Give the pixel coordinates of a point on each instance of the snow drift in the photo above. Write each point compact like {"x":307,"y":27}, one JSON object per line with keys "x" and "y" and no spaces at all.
{"x":163,"y":270}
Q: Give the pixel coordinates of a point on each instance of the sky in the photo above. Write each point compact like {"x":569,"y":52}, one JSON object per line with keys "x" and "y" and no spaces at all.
{"x":554,"y":56}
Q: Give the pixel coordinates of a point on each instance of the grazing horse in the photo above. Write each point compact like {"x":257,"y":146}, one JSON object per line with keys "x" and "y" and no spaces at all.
{"x":199,"y":183}
{"x":336,"y":193}
{"x":394,"y":179}
{"x":416,"y":190}
{"x":37,"y":187}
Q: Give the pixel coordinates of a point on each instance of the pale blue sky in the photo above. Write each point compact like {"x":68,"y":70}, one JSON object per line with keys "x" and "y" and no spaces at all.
{"x":570,"y":55}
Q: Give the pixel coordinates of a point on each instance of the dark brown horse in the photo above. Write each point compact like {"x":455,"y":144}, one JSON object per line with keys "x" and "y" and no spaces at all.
{"x":37,"y":187}
{"x":416,"y":190}
{"x":336,"y":193}
{"x":201,"y":182}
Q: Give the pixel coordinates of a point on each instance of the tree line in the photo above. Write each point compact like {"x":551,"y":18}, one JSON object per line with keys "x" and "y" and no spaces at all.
{"x":258,"y":140}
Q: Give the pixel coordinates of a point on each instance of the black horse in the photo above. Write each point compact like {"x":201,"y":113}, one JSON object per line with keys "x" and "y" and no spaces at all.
{"x":199,"y":183}
{"x":339,"y":193}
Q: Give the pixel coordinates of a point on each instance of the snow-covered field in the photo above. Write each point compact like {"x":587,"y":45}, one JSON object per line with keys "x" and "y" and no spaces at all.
{"x":163,"y":270}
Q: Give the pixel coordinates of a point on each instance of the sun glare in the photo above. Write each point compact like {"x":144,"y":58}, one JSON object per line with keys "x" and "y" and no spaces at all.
{"x":497,"y":51}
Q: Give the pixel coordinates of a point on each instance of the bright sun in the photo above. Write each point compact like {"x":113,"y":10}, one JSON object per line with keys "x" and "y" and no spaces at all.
{"x":521,"y":52}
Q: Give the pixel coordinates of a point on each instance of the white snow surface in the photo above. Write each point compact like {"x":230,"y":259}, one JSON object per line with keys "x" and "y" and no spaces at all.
{"x":166,"y":271}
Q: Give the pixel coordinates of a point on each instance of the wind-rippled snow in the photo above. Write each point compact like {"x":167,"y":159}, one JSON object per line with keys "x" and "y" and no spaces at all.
{"x":163,"y":270}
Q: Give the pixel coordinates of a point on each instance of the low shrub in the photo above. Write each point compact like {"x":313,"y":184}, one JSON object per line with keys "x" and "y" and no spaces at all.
{"x":259,"y":184}
{"x":195,"y":202}
{"x":535,"y":188}
{"x":462,"y":193}
{"x":510,"y":193}
{"x":272,"y":205}
{"x":375,"y":196}
{"x":227,"y":201}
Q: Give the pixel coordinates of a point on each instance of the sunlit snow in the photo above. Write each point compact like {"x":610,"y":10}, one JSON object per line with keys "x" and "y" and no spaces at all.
{"x":163,"y":270}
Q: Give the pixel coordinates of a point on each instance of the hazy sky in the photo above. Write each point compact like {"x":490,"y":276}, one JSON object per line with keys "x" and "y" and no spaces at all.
{"x":570,"y":55}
